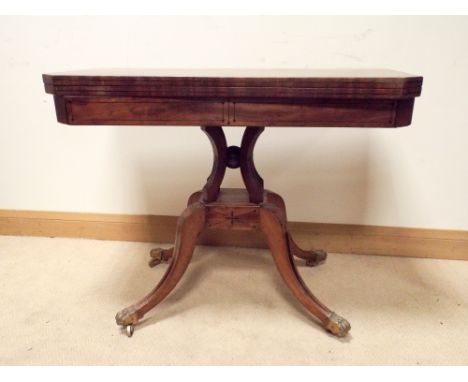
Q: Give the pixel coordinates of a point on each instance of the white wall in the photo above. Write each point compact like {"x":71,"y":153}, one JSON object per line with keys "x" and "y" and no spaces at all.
{"x":415,"y":176}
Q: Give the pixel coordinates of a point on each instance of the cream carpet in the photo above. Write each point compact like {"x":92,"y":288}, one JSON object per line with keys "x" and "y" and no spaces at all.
{"x":59,"y":296}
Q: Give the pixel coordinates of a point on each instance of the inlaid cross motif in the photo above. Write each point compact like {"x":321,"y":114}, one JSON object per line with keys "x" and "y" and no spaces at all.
{"x":233,"y":218}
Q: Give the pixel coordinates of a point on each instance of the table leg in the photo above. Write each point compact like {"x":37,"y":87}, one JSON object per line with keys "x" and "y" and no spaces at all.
{"x":278,"y":242}
{"x":160,"y":255}
{"x":312,"y":257}
{"x":189,"y":226}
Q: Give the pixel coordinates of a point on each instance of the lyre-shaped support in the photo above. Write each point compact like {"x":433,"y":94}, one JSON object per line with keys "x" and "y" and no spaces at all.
{"x":233,"y":157}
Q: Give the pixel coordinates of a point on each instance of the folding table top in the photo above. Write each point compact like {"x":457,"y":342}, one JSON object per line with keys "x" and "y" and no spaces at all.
{"x":235,"y":97}
{"x":270,"y":83}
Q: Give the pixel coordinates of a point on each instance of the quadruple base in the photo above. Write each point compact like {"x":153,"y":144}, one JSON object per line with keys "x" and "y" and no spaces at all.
{"x":233,"y":210}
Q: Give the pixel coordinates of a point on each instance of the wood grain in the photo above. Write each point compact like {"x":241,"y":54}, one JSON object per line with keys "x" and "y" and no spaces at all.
{"x":146,"y":111}
{"x":323,"y":113}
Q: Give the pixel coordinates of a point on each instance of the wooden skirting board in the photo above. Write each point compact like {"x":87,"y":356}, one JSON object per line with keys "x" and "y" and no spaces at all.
{"x":334,"y":238}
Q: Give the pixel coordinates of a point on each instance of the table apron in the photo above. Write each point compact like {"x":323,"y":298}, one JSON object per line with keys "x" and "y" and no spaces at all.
{"x":264,"y":112}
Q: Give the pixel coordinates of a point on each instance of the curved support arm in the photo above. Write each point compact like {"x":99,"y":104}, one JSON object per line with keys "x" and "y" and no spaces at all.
{"x":252,"y":180}
{"x":218,"y":142}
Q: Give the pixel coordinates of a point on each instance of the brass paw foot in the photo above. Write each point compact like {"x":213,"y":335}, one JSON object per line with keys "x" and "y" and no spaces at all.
{"x":127,"y":317}
{"x":337,"y":325}
{"x":318,"y":257}
{"x":159,"y":255}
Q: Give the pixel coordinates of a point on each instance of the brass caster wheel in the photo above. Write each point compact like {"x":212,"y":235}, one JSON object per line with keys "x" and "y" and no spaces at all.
{"x":127,"y":318}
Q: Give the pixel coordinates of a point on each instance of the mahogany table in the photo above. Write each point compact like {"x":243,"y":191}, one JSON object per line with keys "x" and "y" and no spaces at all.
{"x":251,"y":98}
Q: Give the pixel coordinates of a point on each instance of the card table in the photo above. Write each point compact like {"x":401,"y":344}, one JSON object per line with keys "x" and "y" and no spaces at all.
{"x":254,"y":98}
